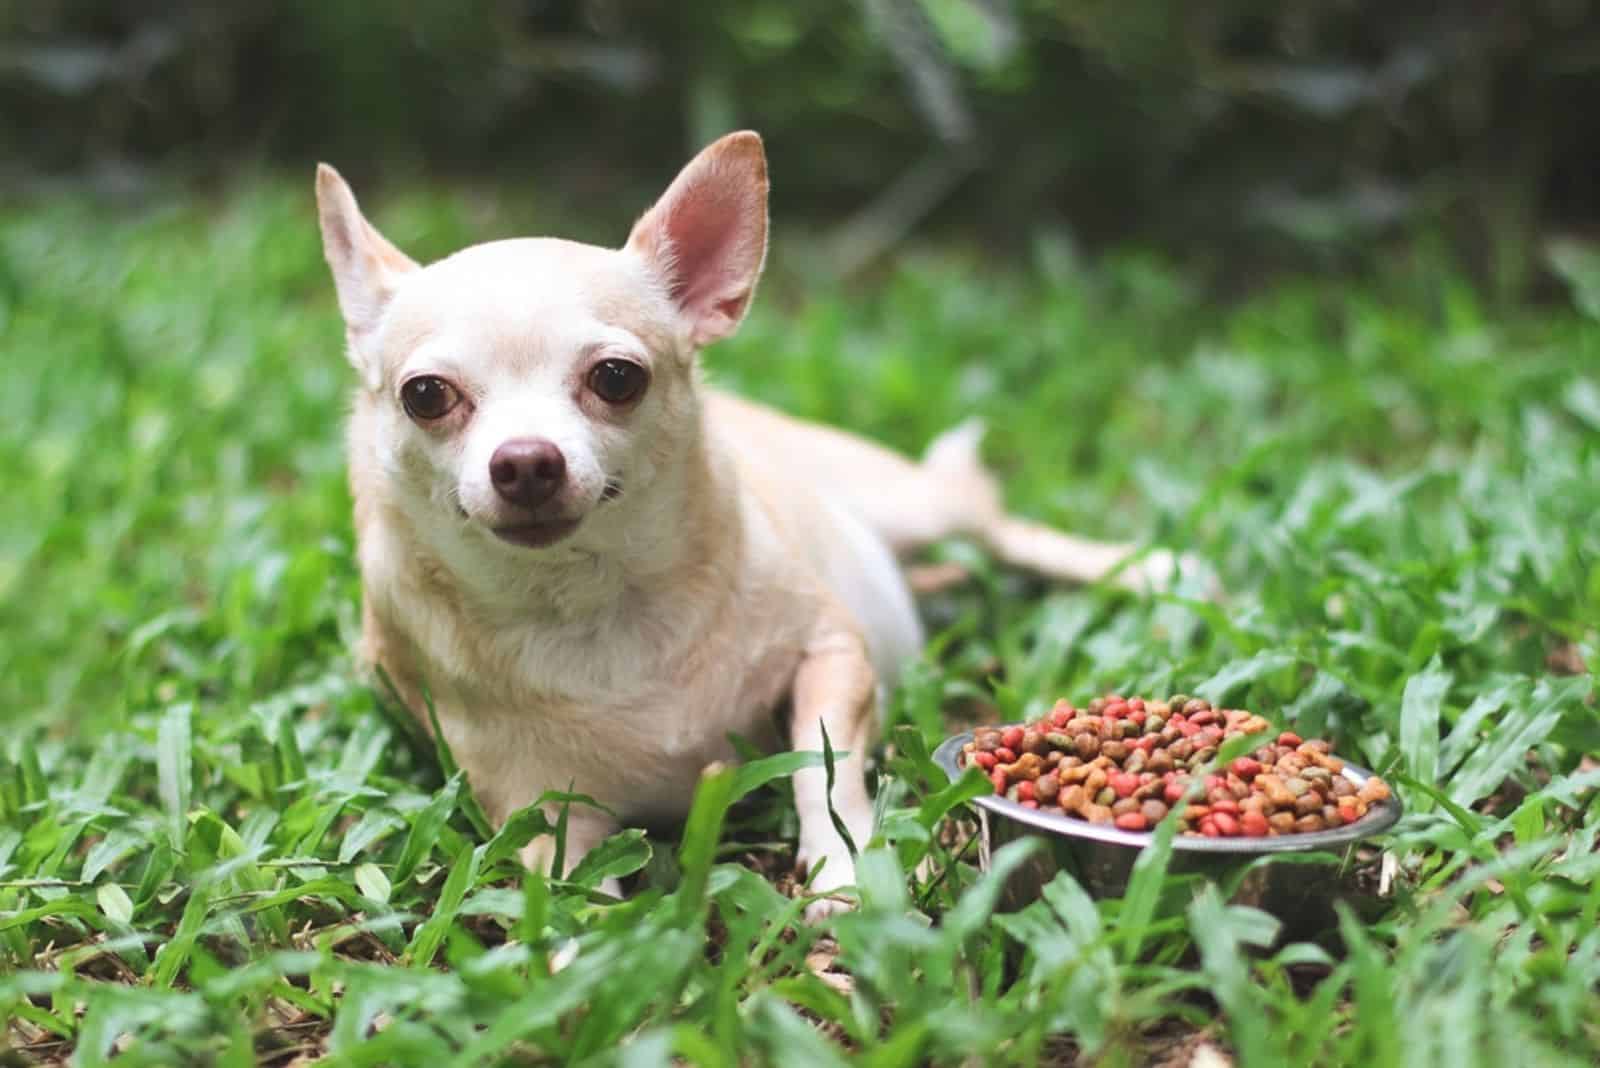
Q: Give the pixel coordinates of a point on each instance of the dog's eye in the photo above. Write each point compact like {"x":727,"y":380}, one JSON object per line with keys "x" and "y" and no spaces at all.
{"x":618,"y":382}
{"x":429,"y":397}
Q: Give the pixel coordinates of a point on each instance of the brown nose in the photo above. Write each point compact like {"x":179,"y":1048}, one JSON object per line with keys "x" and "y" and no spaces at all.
{"x":527,"y":471}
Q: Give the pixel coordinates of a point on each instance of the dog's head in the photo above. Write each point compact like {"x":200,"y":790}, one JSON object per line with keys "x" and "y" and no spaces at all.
{"x":517,"y":386}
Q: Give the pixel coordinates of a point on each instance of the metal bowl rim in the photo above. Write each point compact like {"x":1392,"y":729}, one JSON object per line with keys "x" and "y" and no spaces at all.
{"x":1378,"y":819}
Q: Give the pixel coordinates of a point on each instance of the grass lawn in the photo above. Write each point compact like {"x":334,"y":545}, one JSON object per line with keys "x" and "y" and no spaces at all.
{"x":216,"y":849}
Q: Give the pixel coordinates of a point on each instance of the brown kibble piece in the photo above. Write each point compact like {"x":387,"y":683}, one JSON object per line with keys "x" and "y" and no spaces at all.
{"x":1276,"y":792}
{"x":1028,"y":766}
{"x":1097,"y":814}
{"x":1373,"y":790}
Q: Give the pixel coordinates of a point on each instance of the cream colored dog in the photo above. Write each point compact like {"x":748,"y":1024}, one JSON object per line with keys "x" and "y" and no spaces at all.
{"x":597,"y":566}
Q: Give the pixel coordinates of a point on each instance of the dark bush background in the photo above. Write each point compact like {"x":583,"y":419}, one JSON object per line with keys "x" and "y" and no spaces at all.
{"x":1238,"y":132}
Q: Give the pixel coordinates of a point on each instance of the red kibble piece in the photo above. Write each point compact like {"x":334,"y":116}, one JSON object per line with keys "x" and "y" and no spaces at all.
{"x":1253,"y":823}
{"x":1137,"y":716}
{"x":1215,"y":782}
{"x":1005,"y":755}
{"x":1132,"y":821}
{"x":1117,"y":709}
{"x":1226,"y":805}
{"x":999,"y":780}
{"x":1025,"y":791}
{"x":1124,"y":784}
{"x":1203,"y":717}
{"x":1290,"y":739}
{"x":1187,"y":729}
{"x":1011,"y":738}
{"x":1060,"y":717}
{"x":1174,"y":792}
{"x":1208,"y":827}
{"x":1246,"y":768}
{"x":984,"y":760}
{"x":1030,"y":803}
{"x":1227,"y":826}
{"x":1136,"y":704}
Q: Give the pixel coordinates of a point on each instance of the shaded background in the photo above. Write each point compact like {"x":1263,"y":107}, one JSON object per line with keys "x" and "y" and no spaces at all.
{"x":1243,"y":135}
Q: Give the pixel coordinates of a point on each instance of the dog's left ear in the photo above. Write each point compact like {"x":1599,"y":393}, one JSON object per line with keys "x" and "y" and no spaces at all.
{"x":706,"y":237}
{"x":366,"y":267}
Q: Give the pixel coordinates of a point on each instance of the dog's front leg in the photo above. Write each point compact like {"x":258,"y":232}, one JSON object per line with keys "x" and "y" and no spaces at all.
{"x":586,"y":828}
{"x":834,"y":688}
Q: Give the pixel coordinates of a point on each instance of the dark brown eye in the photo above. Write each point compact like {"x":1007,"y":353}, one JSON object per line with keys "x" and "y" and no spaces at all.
{"x":618,"y":382}
{"x":429,"y":397}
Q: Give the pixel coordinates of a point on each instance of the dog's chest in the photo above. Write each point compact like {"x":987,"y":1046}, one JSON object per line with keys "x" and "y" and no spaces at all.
{"x":628,"y":706}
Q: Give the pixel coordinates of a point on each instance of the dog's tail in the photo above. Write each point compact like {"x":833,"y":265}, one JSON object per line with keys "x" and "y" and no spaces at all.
{"x":970,"y":494}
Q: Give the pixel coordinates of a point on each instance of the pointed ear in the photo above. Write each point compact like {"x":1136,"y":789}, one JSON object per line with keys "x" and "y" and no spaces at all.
{"x":366,"y":267}
{"x":706,"y":237}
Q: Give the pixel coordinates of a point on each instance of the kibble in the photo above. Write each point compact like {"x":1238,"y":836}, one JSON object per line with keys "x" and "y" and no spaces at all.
{"x":1127,"y":760}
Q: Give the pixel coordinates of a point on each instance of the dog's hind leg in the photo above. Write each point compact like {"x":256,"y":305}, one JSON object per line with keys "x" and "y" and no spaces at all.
{"x":951,"y":494}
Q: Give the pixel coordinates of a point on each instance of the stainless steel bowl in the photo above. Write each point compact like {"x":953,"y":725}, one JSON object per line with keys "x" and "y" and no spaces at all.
{"x":1101,"y":858}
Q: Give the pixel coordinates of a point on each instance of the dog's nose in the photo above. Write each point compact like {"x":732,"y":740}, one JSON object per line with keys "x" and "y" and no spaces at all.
{"x":527,"y":471}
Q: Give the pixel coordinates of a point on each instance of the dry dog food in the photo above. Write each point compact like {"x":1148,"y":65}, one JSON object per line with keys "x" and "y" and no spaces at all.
{"x":1126,"y":761}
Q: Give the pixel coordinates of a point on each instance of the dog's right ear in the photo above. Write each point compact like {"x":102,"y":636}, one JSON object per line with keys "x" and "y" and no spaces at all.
{"x":366,"y":267}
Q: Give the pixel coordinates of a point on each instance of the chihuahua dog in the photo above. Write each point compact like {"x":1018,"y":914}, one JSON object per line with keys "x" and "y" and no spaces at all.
{"x":595,"y":566}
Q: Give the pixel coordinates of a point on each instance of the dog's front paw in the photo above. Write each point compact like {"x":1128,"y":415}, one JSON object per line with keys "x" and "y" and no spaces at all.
{"x":832,"y":879}
{"x":582,"y":836}
{"x":825,"y":908}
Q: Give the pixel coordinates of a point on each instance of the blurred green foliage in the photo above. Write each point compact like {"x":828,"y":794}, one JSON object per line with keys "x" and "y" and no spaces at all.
{"x":1299,"y":127}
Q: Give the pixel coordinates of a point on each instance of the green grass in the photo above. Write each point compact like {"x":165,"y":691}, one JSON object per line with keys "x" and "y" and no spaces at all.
{"x":214,"y":848}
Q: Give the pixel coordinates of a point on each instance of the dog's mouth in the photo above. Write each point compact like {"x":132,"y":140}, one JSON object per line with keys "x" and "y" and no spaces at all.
{"x":541,"y":533}
{"x":537,"y":535}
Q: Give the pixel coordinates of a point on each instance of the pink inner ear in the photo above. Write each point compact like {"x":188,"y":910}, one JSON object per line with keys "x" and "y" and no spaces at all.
{"x":708,"y":235}
{"x":714,"y":251}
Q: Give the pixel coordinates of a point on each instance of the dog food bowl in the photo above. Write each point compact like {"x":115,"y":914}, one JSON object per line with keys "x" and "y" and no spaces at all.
{"x":1101,"y":857}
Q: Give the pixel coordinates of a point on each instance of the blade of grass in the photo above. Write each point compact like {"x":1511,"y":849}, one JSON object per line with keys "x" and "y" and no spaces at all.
{"x":175,"y":770}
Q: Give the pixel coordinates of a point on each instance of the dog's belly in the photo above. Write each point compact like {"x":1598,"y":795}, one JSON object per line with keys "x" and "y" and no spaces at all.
{"x":806,"y":522}
{"x":863,"y":574}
